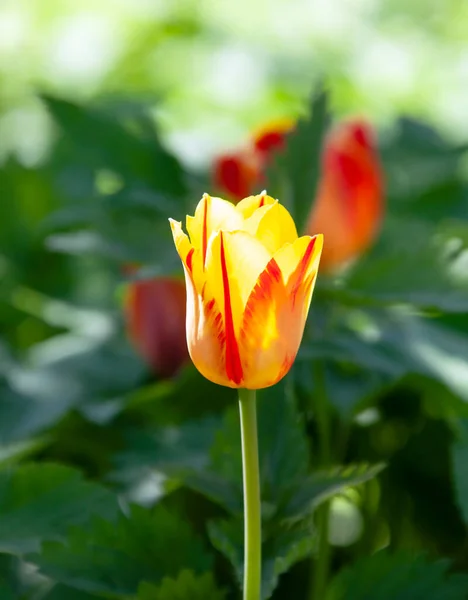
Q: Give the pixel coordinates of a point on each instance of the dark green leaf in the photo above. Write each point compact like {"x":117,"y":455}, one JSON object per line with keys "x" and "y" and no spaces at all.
{"x":412,"y":264}
{"x":62,"y":592}
{"x":115,"y":558}
{"x":186,"y":586}
{"x":40,"y":501}
{"x":400,"y":576}
{"x":318,"y":487}
{"x":460,"y":469}
{"x":280,"y":551}
{"x":99,"y":141}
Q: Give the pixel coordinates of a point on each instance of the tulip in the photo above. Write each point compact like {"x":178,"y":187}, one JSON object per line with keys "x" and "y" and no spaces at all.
{"x":249,"y":280}
{"x":155,"y":314}
{"x":238,"y":174}
{"x":348,"y":208}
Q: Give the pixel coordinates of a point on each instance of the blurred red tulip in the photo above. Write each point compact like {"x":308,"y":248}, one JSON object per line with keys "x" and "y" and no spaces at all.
{"x":155,"y":314}
{"x":349,"y":205}
{"x":237,"y":175}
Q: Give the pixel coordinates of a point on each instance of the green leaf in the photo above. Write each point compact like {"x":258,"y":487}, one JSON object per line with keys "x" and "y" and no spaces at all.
{"x":413,"y":263}
{"x":40,"y":501}
{"x":62,"y":592}
{"x":371,"y":349}
{"x":298,"y":167}
{"x":283,"y":446}
{"x":70,"y":371}
{"x":186,"y":586}
{"x":280,"y":551}
{"x":283,"y":552}
{"x":98,"y":141}
{"x":115,"y":558}
{"x":401,"y":576}
{"x":423,"y":174}
{"x":182,"y":453}
{"x":174,"y":450}
{"x":318,"y":487}
{"x":460,"y":469}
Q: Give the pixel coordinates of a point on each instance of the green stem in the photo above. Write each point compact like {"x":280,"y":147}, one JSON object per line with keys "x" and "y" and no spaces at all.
{"x":322,"y":563}
{"x":252,"y":512}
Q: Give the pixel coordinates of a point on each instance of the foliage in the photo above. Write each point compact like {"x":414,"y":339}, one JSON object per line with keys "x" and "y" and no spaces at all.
{"x":114,"y":484}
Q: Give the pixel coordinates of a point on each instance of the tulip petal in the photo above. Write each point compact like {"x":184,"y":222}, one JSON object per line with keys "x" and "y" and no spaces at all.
{"x":211,"y":215}
{"x":276,"y":312}
{"x":248,"y":206}
{"x":245,"y":258}
{"x":297,"y":261}
{"x":271,"y":331}
{"x":190,"y":257}
{"x":272,"y":225}
{"x":205,"y":334}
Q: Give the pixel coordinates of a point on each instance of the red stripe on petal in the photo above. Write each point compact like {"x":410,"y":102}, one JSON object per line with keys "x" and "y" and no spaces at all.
{"x":188,"y":260}
{"x":216,"y":319}
{"x":301,"y":270}
{"x":233,"y":361}
{"x":205,"y":230}
{"x":262,"y":292}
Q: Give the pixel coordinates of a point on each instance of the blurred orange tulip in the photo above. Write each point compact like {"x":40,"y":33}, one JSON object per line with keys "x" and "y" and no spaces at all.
{"x":249,"y":281}
{"x":349,"y":206}
{"x":155,"y":313}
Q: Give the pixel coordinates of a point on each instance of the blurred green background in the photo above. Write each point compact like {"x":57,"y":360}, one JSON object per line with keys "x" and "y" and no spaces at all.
{"x":211,"y":70}
{"x":117,"y":483}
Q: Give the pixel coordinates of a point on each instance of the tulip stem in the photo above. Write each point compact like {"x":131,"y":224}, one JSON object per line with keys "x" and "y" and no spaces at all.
{"x":252,"y":511}
{"x":322,"y":563}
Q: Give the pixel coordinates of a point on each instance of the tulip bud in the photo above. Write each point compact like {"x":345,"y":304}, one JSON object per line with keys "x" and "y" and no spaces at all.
{"x":155,"y":314}
{"x":349,"y":204}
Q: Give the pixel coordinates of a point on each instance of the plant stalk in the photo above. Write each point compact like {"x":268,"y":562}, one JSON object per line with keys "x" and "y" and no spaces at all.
{"x":252,"y":509}
{"x":322,"y":562}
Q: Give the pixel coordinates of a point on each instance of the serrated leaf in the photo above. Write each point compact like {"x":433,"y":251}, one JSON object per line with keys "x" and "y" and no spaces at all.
{"x":115,"y":558}
{"x":280,"y":551}
{"x":182,"y":453}
{"x":401,"y":576}
{"x":283,"y":552}
{"x":40,"y":501}
{"x":283,"y":446}
{"x":318,"y":487}
{"x":215,"y":468}
{"x":186,"y":586}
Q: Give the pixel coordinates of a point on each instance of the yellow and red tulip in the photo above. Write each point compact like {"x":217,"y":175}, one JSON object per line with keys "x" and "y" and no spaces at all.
{"x":349,"y":205}
{"x":249,"y":281}
{"x":155,"y":315}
